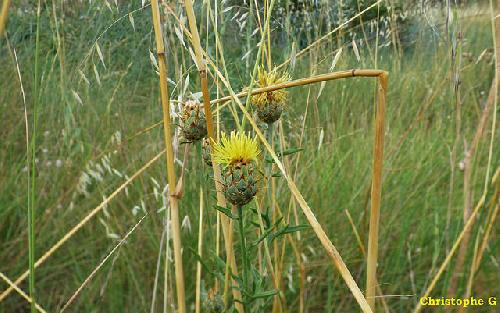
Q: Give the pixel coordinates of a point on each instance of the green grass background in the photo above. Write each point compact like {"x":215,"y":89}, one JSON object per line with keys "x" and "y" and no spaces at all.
{"x":72,"y":137}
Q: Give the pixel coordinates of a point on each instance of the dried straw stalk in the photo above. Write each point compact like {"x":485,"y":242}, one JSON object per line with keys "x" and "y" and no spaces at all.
{"x":3,"y":16}
{"x":378,"y":148}
{"x":200,"y":253}
{"x":221,"y":201}
{"x":167,"y":128}
{"x":80,"y":224}
{"x":305,"y":81}
{"x":21,"y":292}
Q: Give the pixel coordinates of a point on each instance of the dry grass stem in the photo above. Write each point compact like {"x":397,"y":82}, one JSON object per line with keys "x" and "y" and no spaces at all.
{"x":84,"y":221}
{"x":376,"y":192}
{"x":22,"y":293}
{"x":3,"y":16}
{"x":448,"y":258}
{"x":99,"y":266}
{"x":200,"y":253}
{"x":221,"y":201}
{"x":167,"y":128}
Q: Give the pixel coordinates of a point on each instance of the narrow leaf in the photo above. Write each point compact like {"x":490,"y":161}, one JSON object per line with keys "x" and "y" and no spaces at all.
{"x":226,"y":212}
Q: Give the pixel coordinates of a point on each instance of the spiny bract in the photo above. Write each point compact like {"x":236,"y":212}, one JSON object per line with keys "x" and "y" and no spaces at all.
{"x":193,"y":125}
{"x":206,"y":151}
{"x":238,"y":153}
{"x":270,"y":104}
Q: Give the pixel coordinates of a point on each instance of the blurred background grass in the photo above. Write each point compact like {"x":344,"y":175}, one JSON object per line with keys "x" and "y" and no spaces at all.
{"x":88,"y":107}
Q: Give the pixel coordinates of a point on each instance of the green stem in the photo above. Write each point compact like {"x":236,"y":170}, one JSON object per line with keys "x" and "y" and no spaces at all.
{"x":243,"y":255}
{"x":32,"y":192}
{"x":268,"y":168}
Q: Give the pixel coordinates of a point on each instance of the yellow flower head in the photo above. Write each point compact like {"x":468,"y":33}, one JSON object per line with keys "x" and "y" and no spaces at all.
{"x":238,"y":148}
{"x":265,"y":79}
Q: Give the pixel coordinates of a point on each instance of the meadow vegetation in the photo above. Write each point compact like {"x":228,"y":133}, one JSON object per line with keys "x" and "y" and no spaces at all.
{"x":98,"y":121}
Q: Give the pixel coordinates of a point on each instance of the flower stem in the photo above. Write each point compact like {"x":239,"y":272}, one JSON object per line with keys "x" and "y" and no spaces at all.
{"x":243,"y":255}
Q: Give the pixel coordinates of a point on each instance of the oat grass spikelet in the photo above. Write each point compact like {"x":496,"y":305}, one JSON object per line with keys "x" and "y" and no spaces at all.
{"x":238,"y":153}
{"x":270,"y":104}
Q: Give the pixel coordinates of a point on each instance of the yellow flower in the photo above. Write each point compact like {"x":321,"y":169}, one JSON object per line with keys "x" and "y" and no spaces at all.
{"x":238,"y":148}
{"x":265,"y":79}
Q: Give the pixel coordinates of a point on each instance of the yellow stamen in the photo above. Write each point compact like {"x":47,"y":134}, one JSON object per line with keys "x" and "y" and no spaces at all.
{"x":239,"y":147}
{"x":265,"y":79}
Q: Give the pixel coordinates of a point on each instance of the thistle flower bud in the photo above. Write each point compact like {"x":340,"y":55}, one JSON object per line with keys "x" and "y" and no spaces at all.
{"x":239,"y":183}
{"x":271,"y":112}
{"x":193,"y":123}
{"x":270,"y":104}
{"x":238,"y":153}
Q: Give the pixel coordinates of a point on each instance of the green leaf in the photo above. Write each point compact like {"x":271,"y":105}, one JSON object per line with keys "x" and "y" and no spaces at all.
{"x":264,"y":294}
{"x":199,"y":259}
{"x":226,"y":212}
{"x":264,"y":236}
{"x":290,"y":151}
{"x":266,"y":218}
{"x":288,"y":230}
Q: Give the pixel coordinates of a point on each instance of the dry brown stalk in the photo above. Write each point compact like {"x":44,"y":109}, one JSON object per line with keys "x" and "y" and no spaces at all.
{"x":493,"y":216}
{"x":77,"y":227}
{"x":22,"y":293}
{"x":3,"y":16}
{"x":200,"y":253}
{"x":479,"y":250}
{"x":167,"y":129}
{"x":99,"y":266}
{"x":305,"y":81}
{"x":371,"y":266}
{"x":221,"y":201}
{"x":363,"y":252}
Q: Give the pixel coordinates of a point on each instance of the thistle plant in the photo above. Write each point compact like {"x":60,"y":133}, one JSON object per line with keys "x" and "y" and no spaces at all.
{"x":270,"y":104}
{"x":193,"y":123}
{"x":238,"y":153}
